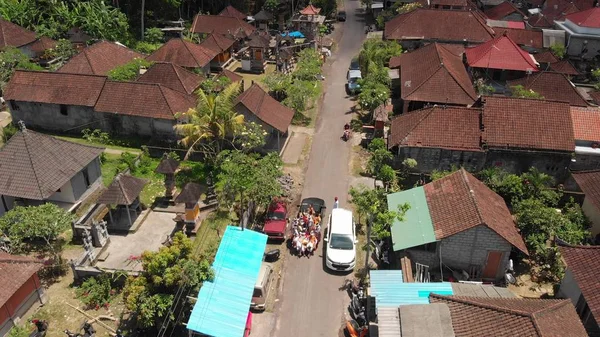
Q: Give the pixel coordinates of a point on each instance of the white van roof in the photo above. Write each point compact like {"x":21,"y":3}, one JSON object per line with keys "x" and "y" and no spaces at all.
{"x":354,"y":74}
{"x":265,"y":269}
{"x":341,"y":221}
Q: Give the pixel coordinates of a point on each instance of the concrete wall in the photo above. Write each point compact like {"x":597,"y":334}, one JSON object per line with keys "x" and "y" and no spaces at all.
{"x":466,"y":248}
{"x":593,"y":214}
{"x":19,"y":303}
{"x":575,"y":45}
{"x":128,"y":125}
{"x":569,"y":288}
{"x":71,"y":118}
{"x":581,"y":30}
{"x":554,"y":164}
{"x":429,"y":159}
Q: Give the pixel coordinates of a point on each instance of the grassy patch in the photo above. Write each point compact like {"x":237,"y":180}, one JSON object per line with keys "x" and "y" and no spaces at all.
{"x":209,"y":235}
{"x":301,"y":119}
{"x":78,"y":140}
{"x":111,"y":166}
{"x":191,"y":171}
{"x":359,"y":159}
{"x":249,"y":77}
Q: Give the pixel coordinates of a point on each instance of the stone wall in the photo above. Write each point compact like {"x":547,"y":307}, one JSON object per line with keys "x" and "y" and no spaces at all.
{"x":555,"y":164}
{"x":429,"y":159}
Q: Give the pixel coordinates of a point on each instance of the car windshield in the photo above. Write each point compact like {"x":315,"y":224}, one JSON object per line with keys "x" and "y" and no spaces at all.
{"x":354,"y":65}
{"x":277,"y":216}
{"x":339,"y":241}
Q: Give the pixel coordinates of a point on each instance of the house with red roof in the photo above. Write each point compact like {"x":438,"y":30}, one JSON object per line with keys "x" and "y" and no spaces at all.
{"x":232,"y":12}
{"x":582,"y":31}
{"x":230,"y":26}
{"x":527,"y":39}
{"x":505,"y":11}
{"x":433,"y":74}
{"x":581,"y":283}
{"x":12,"y":35}
{"x":257,"y":106}
{"x":588,"y":182}
{"x":223,"y":46}
{"x":586,"y":130}
{"x":69,"y":103}
{"x":501,"y":59}
{"x":172,"y":76}
{"x":99,"y":59}
{"x":185,"y":54}
{"x":551,"y":85}
{"x":512,"y":133}
{"x":459,"y":222}
{"x":21,"y":288}
{"x":414,"y":28}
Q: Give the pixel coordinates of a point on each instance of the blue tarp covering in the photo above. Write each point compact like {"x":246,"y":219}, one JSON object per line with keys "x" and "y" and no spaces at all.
{"x":295,"y":34}
{"x":222,"y":306}
{"x":389,"y":290}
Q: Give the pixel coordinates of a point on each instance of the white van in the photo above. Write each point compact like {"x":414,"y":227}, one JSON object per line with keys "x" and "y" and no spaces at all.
{"x":261,"y":288}
{"x":341,"y":241}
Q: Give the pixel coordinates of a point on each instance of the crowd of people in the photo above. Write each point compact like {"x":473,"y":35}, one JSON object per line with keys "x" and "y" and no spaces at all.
{"x":306,"y":232}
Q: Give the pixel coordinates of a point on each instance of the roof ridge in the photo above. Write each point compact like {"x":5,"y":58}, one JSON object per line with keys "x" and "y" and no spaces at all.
{"x":189,"y":51}
{"x":471,"y":192}
{"x":118,"y":178}
{"x":57,"y":73}
{"x":541,"y":310}
{"x":454,"y":77}
{"x":426,"y":112}
{"x":464,"y":300}
{"x":35,"y":175}
{"x":439,"y":64}
{"x":160,"y":87}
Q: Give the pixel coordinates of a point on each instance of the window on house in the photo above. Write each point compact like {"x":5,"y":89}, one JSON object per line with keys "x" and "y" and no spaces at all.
{"x":428,"y":247}
{"x":14,"y":106}
{"x":63,"y":110}
{"x":86,"y":177}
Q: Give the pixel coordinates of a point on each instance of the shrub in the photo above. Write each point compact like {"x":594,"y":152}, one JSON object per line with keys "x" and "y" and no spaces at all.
{"x":154,"y":35}
{"x":129,"y":71}
{"x":96,"y":136}
{"x":8,"y":131}
{"x":96,"y":292}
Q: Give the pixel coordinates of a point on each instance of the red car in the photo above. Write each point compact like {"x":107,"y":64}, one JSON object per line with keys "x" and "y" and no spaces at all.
{"x":276,"y":220}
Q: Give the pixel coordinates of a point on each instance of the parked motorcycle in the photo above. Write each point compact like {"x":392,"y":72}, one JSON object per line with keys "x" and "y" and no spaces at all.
{"x":272,"y":255}
{"x":382,"y":252}
{"x":88,"y":331}
{"x":355,"y":330}
{"x":347,"y":135}
{"x":357,"y":310}
{"x":509,"y":276}
{"x":354,"y":288}
{"x":41,"y":327}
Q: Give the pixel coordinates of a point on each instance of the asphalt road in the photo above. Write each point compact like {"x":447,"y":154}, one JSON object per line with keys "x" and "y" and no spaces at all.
{"x":310,"y":303}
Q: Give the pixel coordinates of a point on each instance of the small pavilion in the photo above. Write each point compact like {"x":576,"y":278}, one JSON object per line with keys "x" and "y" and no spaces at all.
{"x":124,"y":194}
{"x":168,"y":167}
{"x":191,"y":196}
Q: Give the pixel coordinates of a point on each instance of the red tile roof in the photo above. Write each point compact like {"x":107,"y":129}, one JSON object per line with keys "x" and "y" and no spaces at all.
{"x":12,"y":35}
{"x":99,"y":59}
{"x":34,"y":166}
{"x":266,"y":108}
{"x":545,"y":57}
{"x":459,"y":202}
{"x":502,"y":10}
{"x":232,"y":12}
{"x":172,"y":76}
{"x":540,"y":21}
{"x":42,"y":44}
{"x":558,"y":9}
{"x":551,"y":85}
{"x":224,"y":25}
{"x":233,"y":77}
{"x":446,"y":128}
{"x":583,"y":262}
{"x":588,"y":18}
{"x":434,"y":74}
{"x":454,"y":3}
{"x":589,"y":183}
{"x":500,"y":53}
{"x":15,"y":271}
{"x":523,"y":37}
{"x":217,"y":43}
{"x":143,"y":99}
{"x":509,"y":317}
{"x":310,"y":10}
{"x":564,"y":67}
{"x":527,"y":124}
{"x":595,"y":95}
{"x":456,"y":25}
{"x":395,"y":62}
{"x":54,"y":88}
{"x":184,"y":54}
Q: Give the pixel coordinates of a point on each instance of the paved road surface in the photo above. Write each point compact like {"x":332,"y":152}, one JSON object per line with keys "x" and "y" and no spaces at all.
{"x":310,"y":303}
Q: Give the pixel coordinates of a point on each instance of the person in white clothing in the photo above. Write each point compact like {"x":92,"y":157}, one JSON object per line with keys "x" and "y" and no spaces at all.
{"x":336,"y":204}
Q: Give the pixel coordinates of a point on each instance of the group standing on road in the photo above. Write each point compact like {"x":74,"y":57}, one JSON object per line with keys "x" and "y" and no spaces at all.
{"x":306,"y":232}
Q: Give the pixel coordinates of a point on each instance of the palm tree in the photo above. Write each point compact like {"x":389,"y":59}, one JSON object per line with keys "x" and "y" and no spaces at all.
{"x":212,"y":120}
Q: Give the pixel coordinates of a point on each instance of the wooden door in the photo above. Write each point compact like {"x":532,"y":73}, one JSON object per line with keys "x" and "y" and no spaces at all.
{"x":258,"y":54}
{"x":492,"y":264}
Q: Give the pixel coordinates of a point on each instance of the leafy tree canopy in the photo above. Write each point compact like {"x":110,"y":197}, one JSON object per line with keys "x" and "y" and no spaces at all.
{"x":12,"y":59}
{"x":558,"y":50}
{"x":378,"y":52}
{"x":129,"y":71}
{"x":521,"y":92}
{"x":374,"y":202}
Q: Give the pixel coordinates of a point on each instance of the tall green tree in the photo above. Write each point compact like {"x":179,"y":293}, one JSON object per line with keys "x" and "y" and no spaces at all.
{"x":377,"y":52}
{"x":211,"y":122}
{"x":374,"y":202}
{"x":12,"y":59}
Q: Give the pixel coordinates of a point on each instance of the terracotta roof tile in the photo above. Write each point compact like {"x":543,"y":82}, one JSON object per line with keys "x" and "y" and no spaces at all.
{"x":143,"y":99}
{"x":589,"y":183}
{"x":172,"y":76}
{"x":545,"y":57}
{"x":54,"y":88}
{"x":233,"y":77}
{"x":232,"y":12}
{"x":586,"y":123}
{"x":457,"y":3}
{"x":459,"y":202}
{"x":12,"y":35}
{"x":564,"y":67}
{"x":190,"y":193}
{"x":183,"y":53}
{"x":434,"y":74}
{"x":508,"y":317}
{"x":456,"y":25}
{"x":557,"y":9}
{"x":42,"y":44}
{"x":500,"y":53}
{"x":552,"y":86}
{"x":266,"y":108}
{"x":99,"y":59}
{"x":583,"y":261}
{"x":310,"y":10}
{"x":15,"y":271}
{"x":447,"y":128}
{"x":595,"y":95}
{"x":217,"y":43}
{"x":167,"y":165}
{"x":259,"y":40}
{"x":123,"y":190}
{"x":224,"y":25}
{"x":540,"y":21}
{"x":589,"y":18}
{"x":502,"y":10}
{"x":527,"y":124}
{"x":34,"y":166}
{"x":523,"y":37}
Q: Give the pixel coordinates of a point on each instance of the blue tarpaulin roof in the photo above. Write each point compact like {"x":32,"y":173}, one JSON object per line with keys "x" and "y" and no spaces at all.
{"x":222,"y":306}
{"x":389,"y":290}
{"x":295,"y":34}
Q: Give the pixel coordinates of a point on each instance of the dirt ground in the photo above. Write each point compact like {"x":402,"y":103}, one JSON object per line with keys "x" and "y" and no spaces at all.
{"x":61,"y":316}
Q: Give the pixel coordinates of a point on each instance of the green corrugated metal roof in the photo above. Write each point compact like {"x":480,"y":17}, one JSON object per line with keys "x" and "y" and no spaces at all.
{"x":417,"y":228}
